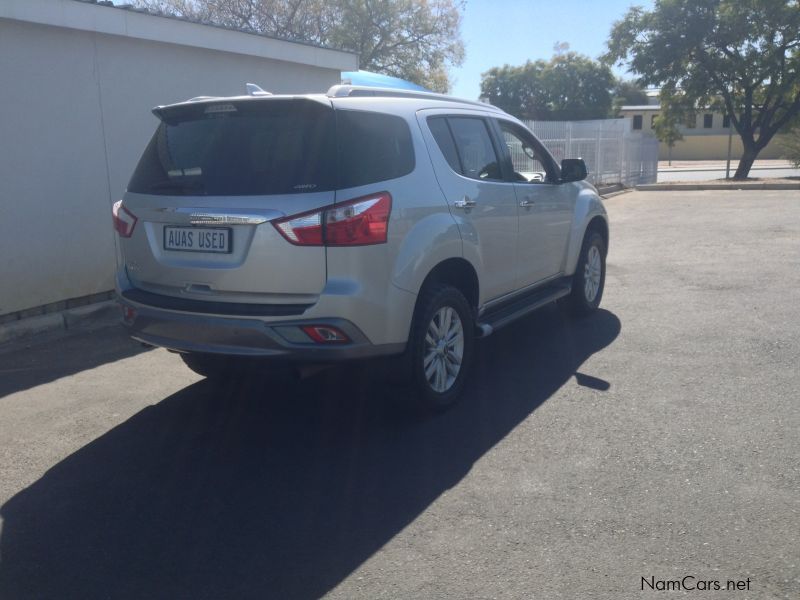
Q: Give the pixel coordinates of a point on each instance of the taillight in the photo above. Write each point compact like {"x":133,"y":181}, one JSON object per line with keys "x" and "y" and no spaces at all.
{"x":358,"y":222}
{"x":124,"y":220}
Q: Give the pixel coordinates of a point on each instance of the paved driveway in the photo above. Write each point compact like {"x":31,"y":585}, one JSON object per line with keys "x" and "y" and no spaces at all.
{"x":657,"y":439}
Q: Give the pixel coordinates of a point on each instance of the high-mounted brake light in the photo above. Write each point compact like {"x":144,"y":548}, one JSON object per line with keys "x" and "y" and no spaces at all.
{"x":124,"y":220}
{"x":359,"y":222}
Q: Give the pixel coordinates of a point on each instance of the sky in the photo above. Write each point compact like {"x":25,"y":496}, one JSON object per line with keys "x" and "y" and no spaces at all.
{"x":498,"y":32}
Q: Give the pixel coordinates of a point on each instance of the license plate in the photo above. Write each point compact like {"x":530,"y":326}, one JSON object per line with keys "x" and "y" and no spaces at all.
{"x":198,"y":239}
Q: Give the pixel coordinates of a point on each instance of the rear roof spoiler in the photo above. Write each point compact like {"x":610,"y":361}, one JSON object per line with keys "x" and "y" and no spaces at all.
{"x":223,"y":104}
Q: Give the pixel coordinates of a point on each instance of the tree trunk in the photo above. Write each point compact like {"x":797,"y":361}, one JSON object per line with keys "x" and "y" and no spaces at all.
{"x":746,"y":162}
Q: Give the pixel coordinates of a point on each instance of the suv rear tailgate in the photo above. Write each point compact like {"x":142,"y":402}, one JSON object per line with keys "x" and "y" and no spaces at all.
{"x":212,"y":178}
{"x":256,"y":261}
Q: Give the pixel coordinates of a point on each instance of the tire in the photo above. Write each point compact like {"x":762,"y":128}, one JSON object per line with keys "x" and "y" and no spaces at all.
{"x":439,"y":367}
{"x":589,"y":278}
{"x":213,"y":366}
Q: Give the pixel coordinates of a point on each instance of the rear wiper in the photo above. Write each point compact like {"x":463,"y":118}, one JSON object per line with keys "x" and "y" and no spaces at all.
{"x":177,"y":185}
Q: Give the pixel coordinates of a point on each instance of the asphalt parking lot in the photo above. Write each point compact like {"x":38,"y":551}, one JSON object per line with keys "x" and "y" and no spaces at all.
{"x":657,"y":439}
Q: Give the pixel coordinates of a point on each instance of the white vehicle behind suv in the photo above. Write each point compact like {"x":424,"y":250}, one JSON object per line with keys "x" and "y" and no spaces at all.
{"x":357,"y":223}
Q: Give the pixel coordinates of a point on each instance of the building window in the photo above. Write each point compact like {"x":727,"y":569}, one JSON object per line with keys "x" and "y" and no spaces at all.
{"x":653,"y":121}
{"x":726,"y":121}
{"x":691,"y":120}
{"x":637,"y":121}
{"x":708,"y":121}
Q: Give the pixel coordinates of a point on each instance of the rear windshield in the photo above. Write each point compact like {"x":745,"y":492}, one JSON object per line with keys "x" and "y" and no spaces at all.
{"x":272,"y":147}
{"x":242,"y":149}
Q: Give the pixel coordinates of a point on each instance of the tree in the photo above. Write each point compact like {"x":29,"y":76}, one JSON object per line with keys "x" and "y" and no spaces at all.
{"x":568,"y":86}
{"x":417,"y":40}
{"x":666,"y":129}
{"x":628,"y":92}
{"x":740,"y":57}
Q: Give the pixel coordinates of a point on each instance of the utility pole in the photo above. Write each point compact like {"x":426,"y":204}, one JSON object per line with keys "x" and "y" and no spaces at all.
{"x":730,"y":139}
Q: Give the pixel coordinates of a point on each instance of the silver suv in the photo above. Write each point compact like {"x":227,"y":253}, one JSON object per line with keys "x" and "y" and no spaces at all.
{"x":352,"y":224}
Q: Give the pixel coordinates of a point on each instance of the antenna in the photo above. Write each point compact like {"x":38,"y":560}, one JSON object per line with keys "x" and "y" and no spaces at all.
{"x":254,"y":90}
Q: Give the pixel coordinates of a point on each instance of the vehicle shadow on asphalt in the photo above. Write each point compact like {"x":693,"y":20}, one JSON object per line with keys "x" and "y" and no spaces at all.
{"x":271,"y":488}
{"x":24,"y":365}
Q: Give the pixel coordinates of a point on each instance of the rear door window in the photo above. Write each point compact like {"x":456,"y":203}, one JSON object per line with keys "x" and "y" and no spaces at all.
{"x":444,"y":139}
{"x":477,"y":156}
{"x":372,"y":147}
{"x":238,"y":149}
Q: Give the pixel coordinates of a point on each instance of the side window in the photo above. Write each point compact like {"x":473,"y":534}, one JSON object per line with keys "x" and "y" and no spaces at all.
{"x":525,"y":157}
{"x":474,"y":145}
{"x":444,"y":139}
{"x":372,"y":147}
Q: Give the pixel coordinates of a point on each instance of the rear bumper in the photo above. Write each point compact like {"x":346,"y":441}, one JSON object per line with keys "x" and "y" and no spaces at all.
{"x":231,"y":309}
{"x":373,"y":313}
{"x":188,"y":332}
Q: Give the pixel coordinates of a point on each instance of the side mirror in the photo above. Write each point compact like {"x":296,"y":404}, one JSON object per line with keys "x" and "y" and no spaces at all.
{"x":573,"y":169}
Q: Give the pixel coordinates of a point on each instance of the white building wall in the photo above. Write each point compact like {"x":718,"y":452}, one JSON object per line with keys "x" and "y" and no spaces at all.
{"x":74,"y":117}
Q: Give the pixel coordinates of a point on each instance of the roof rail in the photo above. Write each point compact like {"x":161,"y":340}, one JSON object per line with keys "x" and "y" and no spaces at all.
{"x":351,"y":91}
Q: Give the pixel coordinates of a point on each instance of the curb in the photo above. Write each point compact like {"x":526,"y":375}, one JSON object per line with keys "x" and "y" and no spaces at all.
{"x":98,"y":314}
{"x":674,"y":187}
{"x":615,"y":193}
{"x":722,"y":168}
{"x":608,"y":189}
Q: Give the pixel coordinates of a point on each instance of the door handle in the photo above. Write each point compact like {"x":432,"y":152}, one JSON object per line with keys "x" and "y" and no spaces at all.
{"x":466,"y":202}
{"x":527,"y":202}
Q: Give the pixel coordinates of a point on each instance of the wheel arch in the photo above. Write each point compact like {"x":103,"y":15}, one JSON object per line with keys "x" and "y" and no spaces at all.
{"x":600,"y":225}
{"x":590,"y":214}
{"x":459,"y":273}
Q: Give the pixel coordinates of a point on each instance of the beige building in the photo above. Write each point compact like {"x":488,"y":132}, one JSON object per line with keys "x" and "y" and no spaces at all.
{"x":705,"y":135}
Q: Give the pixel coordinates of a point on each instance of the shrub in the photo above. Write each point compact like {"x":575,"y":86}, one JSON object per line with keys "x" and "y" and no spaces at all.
{"x":791,"y":146}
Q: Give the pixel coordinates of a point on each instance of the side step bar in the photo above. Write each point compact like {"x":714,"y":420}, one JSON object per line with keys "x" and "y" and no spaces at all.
{"x":517,"y":307}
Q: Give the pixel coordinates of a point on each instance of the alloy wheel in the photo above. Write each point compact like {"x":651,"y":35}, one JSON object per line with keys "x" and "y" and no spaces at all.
{"x":592,"y":272}
{"x":444,"y":349}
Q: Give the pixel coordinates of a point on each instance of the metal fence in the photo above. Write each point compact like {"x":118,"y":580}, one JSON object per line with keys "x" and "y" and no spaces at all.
{"x":612,"y":151}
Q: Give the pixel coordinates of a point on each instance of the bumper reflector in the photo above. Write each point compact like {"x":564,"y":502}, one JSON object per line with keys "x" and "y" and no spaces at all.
{"x":128,"y":314}
{"x":325,"y":334}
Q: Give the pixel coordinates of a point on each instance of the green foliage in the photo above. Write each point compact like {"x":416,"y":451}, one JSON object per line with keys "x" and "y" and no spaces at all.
{"x":628,"y":92}
{"x":417,"y":40}
{"x":740,"y":56}
{"x":791,"y":147}
{"x":674,"y":112}
{"x":569,"y":86}
{"x":666,"y":128}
